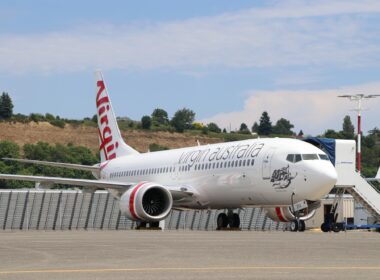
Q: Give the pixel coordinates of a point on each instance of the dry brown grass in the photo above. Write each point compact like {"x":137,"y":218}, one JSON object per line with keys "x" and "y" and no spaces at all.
{"x":32,"y":132}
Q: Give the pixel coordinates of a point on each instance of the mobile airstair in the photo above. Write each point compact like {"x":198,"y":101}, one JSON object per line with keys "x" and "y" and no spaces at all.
{"x":342,"y":154}
{"x":366,"y":194}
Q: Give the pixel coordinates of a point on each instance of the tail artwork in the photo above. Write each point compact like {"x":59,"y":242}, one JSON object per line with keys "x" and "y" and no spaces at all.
{"x":111,"y":144}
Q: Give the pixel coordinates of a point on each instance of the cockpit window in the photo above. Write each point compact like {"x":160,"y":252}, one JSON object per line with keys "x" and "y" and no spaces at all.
{"x":298,"y":158}
{"x":323,"y":157}
{"x":310,"y":156}
{"x":290,"y":158}
{"x":294,"y":157}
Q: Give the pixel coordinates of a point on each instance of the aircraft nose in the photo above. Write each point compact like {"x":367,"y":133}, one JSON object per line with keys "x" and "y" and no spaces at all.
{"x":324,"y":180}
{"x":327,"y":178}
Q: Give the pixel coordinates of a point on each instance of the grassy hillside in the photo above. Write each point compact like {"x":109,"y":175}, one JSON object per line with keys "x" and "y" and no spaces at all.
{"x":83,"y":135}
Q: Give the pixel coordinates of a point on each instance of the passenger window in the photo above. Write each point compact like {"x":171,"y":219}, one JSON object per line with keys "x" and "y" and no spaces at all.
{"x":252,"y":162}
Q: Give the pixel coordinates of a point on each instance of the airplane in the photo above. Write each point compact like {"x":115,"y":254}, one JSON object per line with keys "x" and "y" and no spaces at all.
{"x":377,"y":177}
{"x":287,"y":177}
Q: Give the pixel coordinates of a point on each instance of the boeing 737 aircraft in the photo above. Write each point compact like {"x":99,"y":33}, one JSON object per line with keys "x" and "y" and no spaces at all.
{"x":286,"y":176}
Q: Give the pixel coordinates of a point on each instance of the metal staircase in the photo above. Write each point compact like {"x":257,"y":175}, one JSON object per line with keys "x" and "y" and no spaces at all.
{"x":367,"y":194}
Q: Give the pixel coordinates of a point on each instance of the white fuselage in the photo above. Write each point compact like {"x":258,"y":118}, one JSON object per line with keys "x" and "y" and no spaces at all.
{"x":233,"y":174}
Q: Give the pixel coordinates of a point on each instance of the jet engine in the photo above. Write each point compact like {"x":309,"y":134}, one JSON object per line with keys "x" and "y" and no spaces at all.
{"x":285,"y":213}
{"x":146,"y":201}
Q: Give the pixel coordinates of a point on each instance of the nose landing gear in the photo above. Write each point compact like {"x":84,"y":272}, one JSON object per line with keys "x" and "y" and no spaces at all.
{"x":230,"y":220}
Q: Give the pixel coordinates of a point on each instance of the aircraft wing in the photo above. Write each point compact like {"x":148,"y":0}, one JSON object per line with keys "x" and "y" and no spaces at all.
{"x":180,"y":194}
{"x":46,"y":181}
{"x":57,"y":164}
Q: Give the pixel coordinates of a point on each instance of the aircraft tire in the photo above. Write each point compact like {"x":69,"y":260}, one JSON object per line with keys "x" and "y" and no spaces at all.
{"x":154,"y":225}
{"x":325,"y":227}
{"x":335,"y":228}
{"x":140,"y":225}
{"x":235,"y":221}
{"x":294,"y":226}
{"x":301,"y":225}
{"x":221,"y":221}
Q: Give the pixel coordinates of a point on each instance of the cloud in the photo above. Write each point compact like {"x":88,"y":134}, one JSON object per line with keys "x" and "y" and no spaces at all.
{"x":313,"y":111}
{"x":286,"y":33}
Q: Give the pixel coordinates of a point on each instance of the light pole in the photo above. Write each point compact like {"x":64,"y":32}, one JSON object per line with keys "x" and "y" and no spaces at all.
{"x":359,"y":98}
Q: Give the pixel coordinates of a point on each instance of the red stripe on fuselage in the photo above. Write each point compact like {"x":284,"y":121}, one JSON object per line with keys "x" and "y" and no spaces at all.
{"x":132,"y":200}
{"x":280,"y":215}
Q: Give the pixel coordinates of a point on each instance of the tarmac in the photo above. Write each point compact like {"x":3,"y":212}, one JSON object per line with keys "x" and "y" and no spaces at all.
{"x":188,"y":255}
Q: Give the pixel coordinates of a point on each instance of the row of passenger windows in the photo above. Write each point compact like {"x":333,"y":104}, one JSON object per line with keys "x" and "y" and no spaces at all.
{"x":143,"y":172}
{"x":299,"y":157}
{"x":203,"y":166}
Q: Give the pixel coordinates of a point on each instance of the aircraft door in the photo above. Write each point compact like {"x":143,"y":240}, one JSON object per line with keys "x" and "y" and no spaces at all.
{"x":267,"y":162}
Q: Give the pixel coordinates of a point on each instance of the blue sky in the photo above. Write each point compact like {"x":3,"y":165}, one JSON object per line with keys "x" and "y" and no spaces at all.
{"x":226,"y":60}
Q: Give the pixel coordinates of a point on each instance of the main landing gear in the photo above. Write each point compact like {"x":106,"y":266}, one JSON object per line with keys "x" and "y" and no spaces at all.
{"x":297,"y":225}
{"x":145,"y":225}
{"x":230,"y":220}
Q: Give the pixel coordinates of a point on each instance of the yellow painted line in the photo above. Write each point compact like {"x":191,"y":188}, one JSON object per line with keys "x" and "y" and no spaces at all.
{"x":153,"y":269}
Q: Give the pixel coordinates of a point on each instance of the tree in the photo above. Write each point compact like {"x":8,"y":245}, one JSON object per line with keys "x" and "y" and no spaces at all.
{"x":255,"y":127}
{"x":146,"y":122}
{"x":330,"y":133}
{"x":6,"y":106}
{"x":244,"y":128}
{"x":213,"y":127}
{"x":300,"y":134}
{"x":265,"y":126}
{"x":9,"y":149}
{"x":283,"y":127}
{"x":197,"y":125}
{"x":160,"y":117}
{"x":94,"y":118}
{"x":224,"y":130}
{"x":348,"y":128}
{"x":182,"y":119}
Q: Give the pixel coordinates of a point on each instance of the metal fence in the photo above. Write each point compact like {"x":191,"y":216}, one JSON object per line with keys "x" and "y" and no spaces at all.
{"x":74,"y":210}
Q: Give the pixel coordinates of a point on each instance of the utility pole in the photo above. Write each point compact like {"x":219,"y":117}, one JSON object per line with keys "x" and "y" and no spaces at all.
{"x":359,"y":98}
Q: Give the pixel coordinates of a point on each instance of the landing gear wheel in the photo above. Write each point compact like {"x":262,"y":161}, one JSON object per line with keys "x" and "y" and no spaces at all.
{"x":325,"y":227}
{"x":294,"y":226}
{"x":335,"y":228}
{"x":235,"y":221}
{"x":301,"y":225}
{"x":222,"y":221}
{"x":140,"y":225}
{"x":154,"y":225}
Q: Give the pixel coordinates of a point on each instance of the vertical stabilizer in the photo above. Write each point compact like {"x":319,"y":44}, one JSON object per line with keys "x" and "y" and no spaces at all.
{"x":111,"y":144}
{"x":378,"y":174}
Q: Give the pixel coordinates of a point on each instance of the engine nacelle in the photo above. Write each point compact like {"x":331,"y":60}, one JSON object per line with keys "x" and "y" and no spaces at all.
{"x":146,"y":201}
{"x":285,"y":214}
